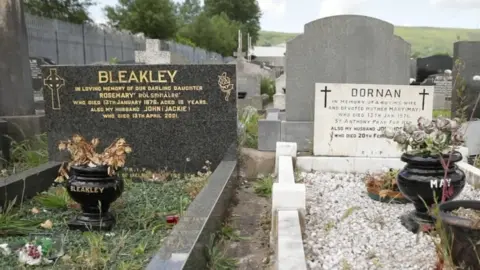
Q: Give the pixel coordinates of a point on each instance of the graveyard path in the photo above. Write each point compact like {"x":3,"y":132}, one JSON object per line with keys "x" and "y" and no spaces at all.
{"x":250,"y":216}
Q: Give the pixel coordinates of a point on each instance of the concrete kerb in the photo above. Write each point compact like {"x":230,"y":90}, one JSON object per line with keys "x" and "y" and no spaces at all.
{"x":185,"y":247}
{"x":288,"y":211}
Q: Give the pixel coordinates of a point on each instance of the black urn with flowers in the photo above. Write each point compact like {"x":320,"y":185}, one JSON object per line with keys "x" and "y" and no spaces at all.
{"x":92,"y":181}
{"x":430,"y":175}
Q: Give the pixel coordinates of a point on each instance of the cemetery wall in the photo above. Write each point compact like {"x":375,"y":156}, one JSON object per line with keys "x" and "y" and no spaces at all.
{"x":78,"y":44}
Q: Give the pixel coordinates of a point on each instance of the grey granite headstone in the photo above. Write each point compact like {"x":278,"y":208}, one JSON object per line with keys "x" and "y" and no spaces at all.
{"x":152,"y":54}
{"x":472,"y":140}
{"x":249,"y":84}
{"x":469,"y":53}
{"x":413,"y":68}
{"x":342,"y":49}
{"x":16,"y":96}
{"x":442,"y":92}
{"x":337,"y":49}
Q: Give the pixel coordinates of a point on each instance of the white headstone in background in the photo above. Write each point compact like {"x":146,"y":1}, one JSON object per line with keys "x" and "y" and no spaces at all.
{"x":152,"y":55}
{"x":349,"y":118}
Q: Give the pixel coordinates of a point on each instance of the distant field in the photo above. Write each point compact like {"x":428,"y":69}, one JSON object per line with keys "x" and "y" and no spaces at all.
{"x":425,"y":41}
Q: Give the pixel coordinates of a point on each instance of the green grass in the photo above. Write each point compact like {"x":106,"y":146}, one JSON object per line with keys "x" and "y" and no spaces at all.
{"x":141,"y":224}
{"x":444,"y":113}
{"x":263,"y":187}
{"x":425,"y":41}
{"x":249,"y":118}
{"x":26,"y":154}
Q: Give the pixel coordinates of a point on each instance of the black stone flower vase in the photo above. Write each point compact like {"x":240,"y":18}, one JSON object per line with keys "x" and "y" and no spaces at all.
{"x":421,"y":181}
{"x":463,"y":234}
{"x":94,"y":190}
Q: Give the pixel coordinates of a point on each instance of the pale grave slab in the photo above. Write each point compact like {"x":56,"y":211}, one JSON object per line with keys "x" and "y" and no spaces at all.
{"x":350,"y":118}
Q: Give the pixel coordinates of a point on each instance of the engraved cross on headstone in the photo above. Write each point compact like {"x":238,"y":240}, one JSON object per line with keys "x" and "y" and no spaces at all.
{"x":424,"y":93}
{"x":326,"y":91}
{"x":54,"y":83}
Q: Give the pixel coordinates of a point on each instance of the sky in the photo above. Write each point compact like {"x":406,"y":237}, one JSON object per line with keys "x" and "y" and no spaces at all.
{"x":291,"y":15}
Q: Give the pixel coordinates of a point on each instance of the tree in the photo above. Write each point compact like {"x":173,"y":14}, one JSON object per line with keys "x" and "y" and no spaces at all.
{"x":155,"y":18}
{"x":188,"y":11}
{"x":217,"y":33}
{"x":74,"y":11}
{"x":246,"y":12}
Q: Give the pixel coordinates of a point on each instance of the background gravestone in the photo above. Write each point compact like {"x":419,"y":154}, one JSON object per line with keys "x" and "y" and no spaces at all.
{"x":442,"y":90}
{"x":249,"y":84}
{"x":15,"y":80}
{"x":342,"y":49}
{"x":413,"y":68}
{"x":178,"y":125}
{"x":434,"y":64}
{"x":35,"y":64}
{"x":469,"y":53}
{"x":338,"y":49}
{"x":153,"y":53}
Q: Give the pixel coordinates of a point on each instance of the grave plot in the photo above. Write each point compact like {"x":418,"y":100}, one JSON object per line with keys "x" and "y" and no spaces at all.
{"x":346,"y":229}
{"x":382,"y":165}
{"x":145,"y":214}
{"x":179,"y":169}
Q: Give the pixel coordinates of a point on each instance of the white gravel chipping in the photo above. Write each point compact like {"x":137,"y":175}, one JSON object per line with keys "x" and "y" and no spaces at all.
{"x":347,"y":230}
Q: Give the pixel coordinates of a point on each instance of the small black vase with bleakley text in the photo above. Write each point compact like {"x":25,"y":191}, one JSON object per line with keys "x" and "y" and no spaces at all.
{"x":422,"y":180}
{"x":94,"y":190}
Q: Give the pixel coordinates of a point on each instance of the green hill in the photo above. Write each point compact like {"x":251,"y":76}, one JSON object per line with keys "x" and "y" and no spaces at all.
{"x":425,"y":41}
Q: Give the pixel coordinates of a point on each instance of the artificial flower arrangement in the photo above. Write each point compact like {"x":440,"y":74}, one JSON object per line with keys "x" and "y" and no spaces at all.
{"x":428,"y":137}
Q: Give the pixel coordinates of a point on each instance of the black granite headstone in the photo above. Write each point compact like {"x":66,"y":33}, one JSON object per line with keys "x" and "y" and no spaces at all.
{"x":4,"y":143}
{"x":35,"y":64}
{"x":434,"y":64}
{"x":468,"y":52}
{"x":174,"y":116}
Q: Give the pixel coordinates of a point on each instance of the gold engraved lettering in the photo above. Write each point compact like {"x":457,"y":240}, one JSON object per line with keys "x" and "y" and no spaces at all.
{"x":86,"y":189}
{"x":133,"y":76}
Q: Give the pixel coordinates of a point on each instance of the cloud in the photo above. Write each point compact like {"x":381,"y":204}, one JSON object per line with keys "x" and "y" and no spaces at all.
{"x":339,"y":7}
{"x":273,"y":8}
{"x":462,"y":4}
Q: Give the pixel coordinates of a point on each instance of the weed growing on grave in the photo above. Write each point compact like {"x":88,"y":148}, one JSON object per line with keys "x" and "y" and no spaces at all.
{"x":263,"y":186}
{"x":329,"y":226}
{"x":12,"y":223}
{"x":26,"y":154}
{"x":459,"y":87}
{"x":217,"y":259}
{"x":143,"y":213}
{"x":55,"y":198}
{"x":228,"y":233}
{"x":349,"y":212}
{"x":248,"y":130}
{"x":195,"y":183}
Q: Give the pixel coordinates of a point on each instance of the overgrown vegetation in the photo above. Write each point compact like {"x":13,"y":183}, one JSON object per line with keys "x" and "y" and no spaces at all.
{"x":25,"y":155}
{"x":441,"y":113}
{"x":217,"y":257}
{"x":459,"y":87}
{"x":248,"y":130}
{"x":143,"y":216}
{"x":213,"y":26}
{"x":263,"y":186}
{"x":425,"y":41}
{"x":267,"y":87}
